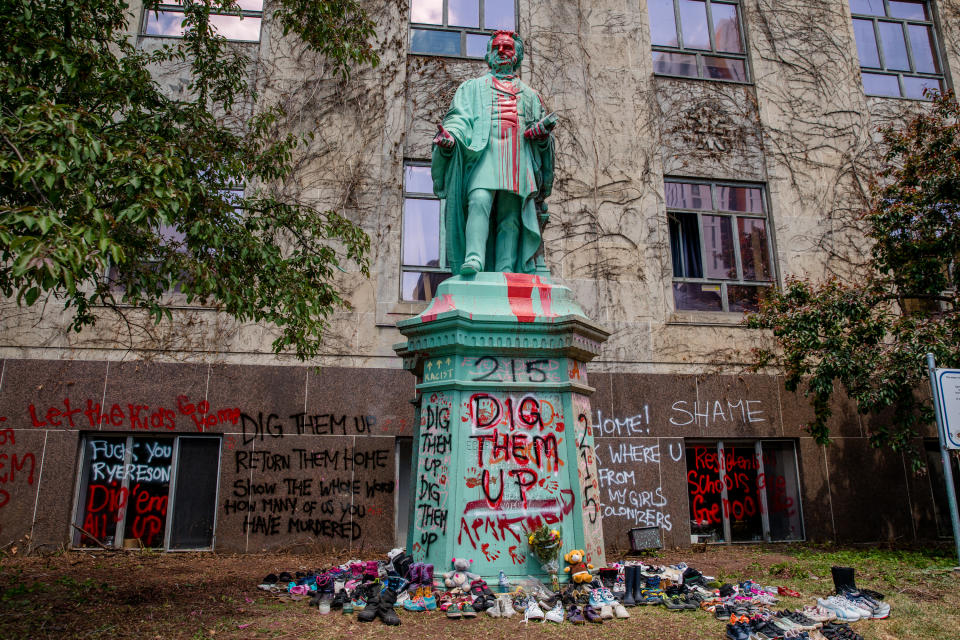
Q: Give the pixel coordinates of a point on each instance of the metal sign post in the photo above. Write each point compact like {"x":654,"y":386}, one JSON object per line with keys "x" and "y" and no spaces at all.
{"x":945,"y":384}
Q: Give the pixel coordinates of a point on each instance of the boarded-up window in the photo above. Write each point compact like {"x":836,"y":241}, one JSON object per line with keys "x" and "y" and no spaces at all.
{"x":129,"y":486}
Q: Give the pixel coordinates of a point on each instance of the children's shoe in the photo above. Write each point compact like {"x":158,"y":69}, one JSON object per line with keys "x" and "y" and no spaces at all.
{"x":575,"y":615}
{"x":620,"y":611}
{"x":842,"y":612}
{"x":453,"y":611}
{"x":592,"y":615}
{"x":533,"y":611}
{"x":506,"y":607}
{"x":415,"y":604}
{"x":607,"y":596}
{"x":737,"y":632}
{"x":606,"y":612}
{"x":347,"y":608}
{"x":467,"y":610}
{"x":426,"y":575}
{"x":596,"y":599}
{"x":495,"y":610}
{"x":555,"y":614}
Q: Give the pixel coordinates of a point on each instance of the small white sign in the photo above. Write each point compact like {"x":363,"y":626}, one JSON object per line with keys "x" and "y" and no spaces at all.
{"x":948,"y":388}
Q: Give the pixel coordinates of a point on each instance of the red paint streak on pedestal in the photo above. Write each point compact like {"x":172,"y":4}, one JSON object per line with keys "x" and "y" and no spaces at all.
{"x":520,"y":288}
{"x":438,"y":306}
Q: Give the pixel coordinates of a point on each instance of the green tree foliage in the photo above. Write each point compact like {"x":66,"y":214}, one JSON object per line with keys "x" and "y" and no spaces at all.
{"x":870,"y":336}
{"x":100,"y":172}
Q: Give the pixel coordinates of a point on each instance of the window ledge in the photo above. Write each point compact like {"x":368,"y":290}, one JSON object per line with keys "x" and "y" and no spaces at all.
{"x":389,"y":313}
{"x":444,"y":55}
{"x":144,"y":36}
{"x":742,"y":83}
{"x":732,"y":319}
{"x":905,"y":98}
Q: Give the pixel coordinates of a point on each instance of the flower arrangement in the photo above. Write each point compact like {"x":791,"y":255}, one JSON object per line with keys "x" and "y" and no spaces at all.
{"x":545,"y":544}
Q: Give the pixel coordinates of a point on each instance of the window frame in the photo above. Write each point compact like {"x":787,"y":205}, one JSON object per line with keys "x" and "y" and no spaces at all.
{"x":443,"y":268}
{"x":174,"y":7}
{"x":109,"y":275}
{"x":734,"y":216}
{"x":700,"y":53}
{"x":463,"y":31}
{"x":78,"y":508}
{"x":878,"y":42}
{"x":719,"y":445}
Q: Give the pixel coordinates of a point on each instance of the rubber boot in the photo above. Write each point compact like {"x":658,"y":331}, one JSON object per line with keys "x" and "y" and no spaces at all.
{"x":402,"y":564}
{"x":843,"y":579}
{"x":413,"y":575}
{"x":426,"y":575}
{"x":630,"y":574}
{"x":385,"y":610}
{"x":369,"y":613}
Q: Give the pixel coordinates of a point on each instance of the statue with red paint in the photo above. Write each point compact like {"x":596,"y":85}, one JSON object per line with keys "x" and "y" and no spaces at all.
{"x":493,"y":164}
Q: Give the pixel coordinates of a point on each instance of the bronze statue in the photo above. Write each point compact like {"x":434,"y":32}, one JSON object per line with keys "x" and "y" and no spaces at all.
{"x":492,"y":177}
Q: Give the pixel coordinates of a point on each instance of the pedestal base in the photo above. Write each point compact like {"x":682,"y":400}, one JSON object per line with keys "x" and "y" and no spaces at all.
{"x":503,"y":441}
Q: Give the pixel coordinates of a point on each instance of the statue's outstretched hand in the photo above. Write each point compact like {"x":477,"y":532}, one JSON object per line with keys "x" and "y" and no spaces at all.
{"x":443,"y":139}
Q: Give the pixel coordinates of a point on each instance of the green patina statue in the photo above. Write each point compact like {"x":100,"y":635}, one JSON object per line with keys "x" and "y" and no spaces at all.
{"x":493,"y":164}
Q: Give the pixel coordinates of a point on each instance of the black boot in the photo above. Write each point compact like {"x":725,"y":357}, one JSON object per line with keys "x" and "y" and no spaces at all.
{"x":608,"y":577}
{"x":630,"y":582}
{"x":385,"y":610}
{"x":843,"y":579}
{"x":369,"y":613}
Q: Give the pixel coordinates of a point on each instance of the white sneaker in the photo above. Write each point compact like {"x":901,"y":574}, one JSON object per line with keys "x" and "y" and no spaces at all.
{"x":555,"y":614}
{"x":495,"y":611}
{"x":606,"y":612}
{"x":533,"y":612}
{"x":861,"y":607}
{"x":834,"y":605}
{"x":620,"y":611}
{"x":607,"y":596}
{"x":506,"y":607}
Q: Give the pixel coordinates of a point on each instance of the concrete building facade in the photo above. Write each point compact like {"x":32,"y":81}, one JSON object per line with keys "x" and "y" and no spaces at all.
{"x":706,"y":149}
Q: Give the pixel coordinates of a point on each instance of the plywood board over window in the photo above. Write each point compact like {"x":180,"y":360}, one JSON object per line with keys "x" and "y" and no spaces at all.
{"x":147,"y":492}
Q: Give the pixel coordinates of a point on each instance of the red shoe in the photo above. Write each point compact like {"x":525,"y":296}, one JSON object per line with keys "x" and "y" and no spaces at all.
{"x":783,"y":591}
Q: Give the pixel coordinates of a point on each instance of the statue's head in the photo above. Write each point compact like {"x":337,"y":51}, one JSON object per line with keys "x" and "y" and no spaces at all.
{"x":504,"y":52}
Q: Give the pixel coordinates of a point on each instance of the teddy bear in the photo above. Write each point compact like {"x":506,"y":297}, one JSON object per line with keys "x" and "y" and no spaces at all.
{"x":579,"y":570}
{"x":459,"y":578}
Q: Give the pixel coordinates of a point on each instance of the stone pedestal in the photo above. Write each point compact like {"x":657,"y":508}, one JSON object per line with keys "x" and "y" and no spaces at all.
{"x":503,"y":440}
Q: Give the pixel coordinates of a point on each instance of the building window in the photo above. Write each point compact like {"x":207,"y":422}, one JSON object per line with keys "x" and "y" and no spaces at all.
{"x":698,"y":39}
{"x":897,"y":46}
{"x":744,"y":491}
{"x":423,"y":253}
{"x":458,"y":27}
{"x":719,"y":245}
{"x":147,"y":492}
{"x":167,"y":20}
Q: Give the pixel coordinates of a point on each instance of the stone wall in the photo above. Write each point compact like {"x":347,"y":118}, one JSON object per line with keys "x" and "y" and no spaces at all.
{"x":308,"y":455}
{"x":802,"y":127}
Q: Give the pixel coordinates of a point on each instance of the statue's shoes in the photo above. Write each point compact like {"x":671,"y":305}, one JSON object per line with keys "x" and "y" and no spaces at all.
{"x":470,"y":267}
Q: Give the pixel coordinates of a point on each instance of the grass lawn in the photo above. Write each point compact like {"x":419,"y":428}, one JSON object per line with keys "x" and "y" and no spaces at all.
{"x":151,"y":595}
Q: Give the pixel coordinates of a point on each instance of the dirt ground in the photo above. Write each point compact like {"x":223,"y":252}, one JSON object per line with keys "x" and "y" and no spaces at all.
{"x":152,"y":595}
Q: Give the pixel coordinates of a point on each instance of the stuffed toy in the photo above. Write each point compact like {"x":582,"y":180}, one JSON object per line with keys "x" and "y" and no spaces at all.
{"x":579,"y":570}
{"x":459,"y":578}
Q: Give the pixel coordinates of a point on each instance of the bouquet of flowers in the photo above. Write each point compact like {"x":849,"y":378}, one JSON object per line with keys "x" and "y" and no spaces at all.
{"x":545,"y":544}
